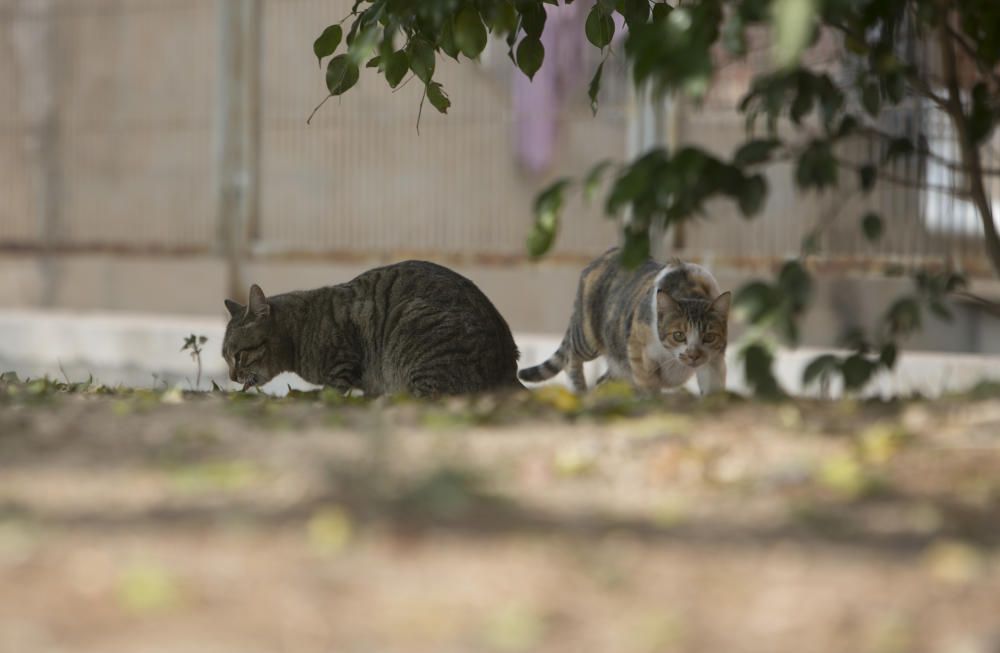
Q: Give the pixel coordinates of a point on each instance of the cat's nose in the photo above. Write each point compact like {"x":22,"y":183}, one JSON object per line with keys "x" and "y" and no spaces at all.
{"x":232,"y":375}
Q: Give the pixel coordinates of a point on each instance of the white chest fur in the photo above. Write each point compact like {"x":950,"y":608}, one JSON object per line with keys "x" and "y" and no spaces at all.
{"x":672,"y":372}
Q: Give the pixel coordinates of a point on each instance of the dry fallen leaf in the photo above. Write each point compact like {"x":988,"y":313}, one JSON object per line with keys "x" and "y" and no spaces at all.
{"x":329,"y":530}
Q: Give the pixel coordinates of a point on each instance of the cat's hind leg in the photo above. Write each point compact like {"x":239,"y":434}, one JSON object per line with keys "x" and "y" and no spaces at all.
{"x":576,"y":374}
{"x":428,"y":387}
{"x":609,"y":374}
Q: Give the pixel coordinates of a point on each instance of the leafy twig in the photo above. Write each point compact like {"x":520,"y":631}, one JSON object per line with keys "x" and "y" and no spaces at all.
{"x":318,"y":106}
{"x":194,"y":344}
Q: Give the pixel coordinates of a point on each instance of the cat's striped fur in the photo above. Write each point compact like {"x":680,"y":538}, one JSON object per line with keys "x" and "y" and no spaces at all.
{"x":414,"y":327}
{"x":656,"y":325}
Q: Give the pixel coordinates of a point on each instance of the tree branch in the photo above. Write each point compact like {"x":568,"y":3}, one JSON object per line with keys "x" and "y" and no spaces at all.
{"x":970,"y":50}
{"x":918,"y":82}
{"x":991,"y":307}
{"x":969,"y":149}
{"x":906,"y":183}
{"x":954,"y":166}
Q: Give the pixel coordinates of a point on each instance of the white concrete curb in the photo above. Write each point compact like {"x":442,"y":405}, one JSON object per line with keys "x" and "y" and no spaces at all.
{"x":136,"y":349}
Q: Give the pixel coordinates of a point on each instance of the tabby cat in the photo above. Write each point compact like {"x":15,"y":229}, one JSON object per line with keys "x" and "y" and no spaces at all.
{"x":656,"y":325}
{"x":412,"y":327}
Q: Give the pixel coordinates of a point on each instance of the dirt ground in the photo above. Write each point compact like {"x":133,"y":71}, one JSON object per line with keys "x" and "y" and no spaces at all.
{"x":164,"y":521}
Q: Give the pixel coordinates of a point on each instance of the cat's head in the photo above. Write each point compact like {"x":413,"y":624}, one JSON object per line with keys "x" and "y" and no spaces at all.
{"x":251,"y":342}
{"x":693,"y":330}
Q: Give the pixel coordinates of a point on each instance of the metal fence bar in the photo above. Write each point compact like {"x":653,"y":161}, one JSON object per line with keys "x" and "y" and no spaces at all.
{"x":238,"y":130}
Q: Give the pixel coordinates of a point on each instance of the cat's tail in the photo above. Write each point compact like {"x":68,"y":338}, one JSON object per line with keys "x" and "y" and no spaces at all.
{"x":555,"y":364}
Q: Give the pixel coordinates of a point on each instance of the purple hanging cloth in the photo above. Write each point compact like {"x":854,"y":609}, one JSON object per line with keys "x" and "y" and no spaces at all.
{"x":538,"y":102}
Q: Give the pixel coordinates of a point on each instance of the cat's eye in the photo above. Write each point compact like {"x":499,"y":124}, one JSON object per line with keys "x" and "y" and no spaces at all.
{"x":709,"y":338}
{"x":242,"y":358}
{"x":679,"y":336}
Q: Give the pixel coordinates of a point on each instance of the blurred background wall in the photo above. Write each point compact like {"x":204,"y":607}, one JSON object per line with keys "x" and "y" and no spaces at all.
{"x":155,"y":157}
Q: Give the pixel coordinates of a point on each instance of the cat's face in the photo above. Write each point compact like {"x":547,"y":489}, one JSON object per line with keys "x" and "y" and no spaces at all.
{"x":249,"y":343}
{"x":693,"y":330}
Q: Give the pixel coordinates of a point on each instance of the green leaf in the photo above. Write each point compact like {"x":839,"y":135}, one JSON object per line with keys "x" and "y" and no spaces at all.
{"x":446,"y":40}
{"x":753,"y":192}
{"x":847,"y":126}
{"x":530,"y":54}
{"x":793,"y":22}
{"x":867,"y":176}
{"x":327,"y":42}
{"x":895,"y":87}
{"x":903,"y":316}
{"x":871,"y":98}
{"x":341,"y":74}
{"x":374,"y":62}
{"x":855,"y":338}
{"x":501,"y":18}
{"x":887,"y":357}
{"x":755,"y":151}
{"x":804,"y":99}
{"x":871,"y":225}
{"x":593,"y":178}
{"x":470,"y":33}
{"x":660,"y":11}
{"x":734,"y":35}
{"x":548,"y":205}
{"x":811,"y":244}
{"x":600,"y":27}
{"x":421,"y":60}
{"x":816,"y":166}
{"x":635,"y":250}
{"x":899,"y":147}
{"x":396,"y":66}
{"x":362,"y":47}
{"x":795,"y":283}
{"x":631,"y":182}
{"x":831,"y":100}
{"x":540,"y":241}
{"x":437,"y":97}
{"x":940,"y":309}
{"x":550,"y":200}
{"x":820,"y":368}
{"x":857,"y":371}
{"x":855,"y":45}
{"x":533,"y":18}
{"x":955,"y":281}
{"x":595,"y":88}
{"x":636,"y":12}
{"x":757,"y":367}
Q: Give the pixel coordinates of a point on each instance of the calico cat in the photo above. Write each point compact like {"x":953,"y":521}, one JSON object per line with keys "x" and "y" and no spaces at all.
{"x":656,"y":325}
{"x":413,"y":327}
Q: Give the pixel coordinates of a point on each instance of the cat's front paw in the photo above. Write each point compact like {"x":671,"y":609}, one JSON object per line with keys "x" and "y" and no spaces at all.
{"x":712,"y":377}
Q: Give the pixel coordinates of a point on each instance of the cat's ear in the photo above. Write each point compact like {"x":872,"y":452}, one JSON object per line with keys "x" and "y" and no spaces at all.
{"x":258,"y":302}
{"x":235,"y":309}
{"x":665,"y":303}
{"x":722,"y":303}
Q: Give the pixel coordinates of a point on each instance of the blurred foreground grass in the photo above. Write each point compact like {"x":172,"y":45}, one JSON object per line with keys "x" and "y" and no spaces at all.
{"x":168,"y":520}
